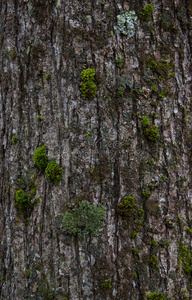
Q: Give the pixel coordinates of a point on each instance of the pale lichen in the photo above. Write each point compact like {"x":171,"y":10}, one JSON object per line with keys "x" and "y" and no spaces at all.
{"x":126,"y":23}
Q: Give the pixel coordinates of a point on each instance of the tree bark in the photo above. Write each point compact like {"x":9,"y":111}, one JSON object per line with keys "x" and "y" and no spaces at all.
{"x":102,"y":144}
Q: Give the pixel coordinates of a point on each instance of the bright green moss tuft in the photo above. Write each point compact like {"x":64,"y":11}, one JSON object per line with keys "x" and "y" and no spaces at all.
{"x":39,"y":118}
{"x":145,"y":122}
{"x":107,"y":284}
{"x":40,"y":158}
{"x":53,"y":172}
{"x":87,"y":86}
{"x":48,"y":76}
{"x":14,"y":139}
{"x":88,"y":74}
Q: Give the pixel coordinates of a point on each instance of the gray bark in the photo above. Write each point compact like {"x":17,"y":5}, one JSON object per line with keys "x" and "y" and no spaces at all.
{"x":101,"y":145}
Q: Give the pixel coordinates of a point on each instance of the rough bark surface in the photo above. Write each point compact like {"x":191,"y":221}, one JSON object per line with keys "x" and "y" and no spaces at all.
{"x":105,"y":151}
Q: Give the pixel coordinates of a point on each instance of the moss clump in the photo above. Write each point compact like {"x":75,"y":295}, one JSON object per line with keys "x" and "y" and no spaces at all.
{"x":39,"y":118}
{"x":48,"y":76}
{"x":146,"y":193}
{"x":23,"y":203}
{"x":28,"y":273}
{"x":107,"y":284}
{"x":40,"y":158}
{"x":134,"y":235}
{"x":14,"y":139}
{"x":147,"y":12}
{"x":156,"y":296}
{"x":126,"y":207}
{"x":84,"y":219}
{"x":119,"y":62}
{"x":145,"y":122}
{"x":152,"y":133}
{"x":53,"y":172}
{"x":135,"y":251}
{"x":87,"y":86}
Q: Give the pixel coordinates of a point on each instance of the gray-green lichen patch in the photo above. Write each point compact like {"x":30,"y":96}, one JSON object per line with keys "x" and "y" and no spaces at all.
{"x":126,"y":23}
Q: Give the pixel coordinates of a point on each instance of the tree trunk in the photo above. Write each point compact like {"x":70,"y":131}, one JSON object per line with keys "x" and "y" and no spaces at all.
{"x":127,"y":132}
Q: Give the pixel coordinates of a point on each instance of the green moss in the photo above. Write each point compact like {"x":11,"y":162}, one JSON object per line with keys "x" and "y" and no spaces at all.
{"x":14,"y":139}
{"x":120,"y":91}
{"x":88,"y":134}
{"x":106,"y":284}
{"x":188,"y":230}
{"x":119,"y":62}
{"x":126,"y":207}
{"x":145,"y":122}
{"x":28,"y":273}
{"x":156,"y":296}
{"x":139,"y":225}
{"x":23,"y":203}
{"x":134,"y":235}
{"x":48,"y":76}
{"x":40,"y":158}
{"x":87,"y":86}
{"x":39,"y":118}
{"x":45,"y":292}
{"x":53,"y":172}
{"x":146,"y":193}
{"x":152,"y":133}
{"x":84,"y":219}
{"x":185,"y":256}
{"x":154,"y":243}
{"x":153,"y":262}
{"x":146,"y":13}
{"x":135,"y":251}
{"x":165,"y":243}
{"x":161,"y":68}
{"x":153,"y":103}
{"x":154,"y":88}
{"x":140,"y":213}
{"x":13,"y":54}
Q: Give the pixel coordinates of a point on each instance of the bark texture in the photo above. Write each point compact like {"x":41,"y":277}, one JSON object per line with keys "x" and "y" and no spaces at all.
{"x":106,"y":150}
